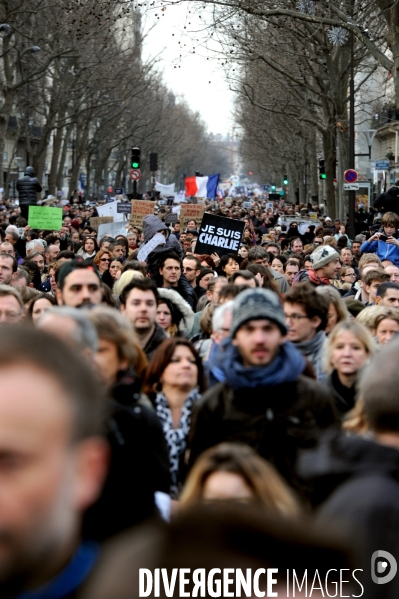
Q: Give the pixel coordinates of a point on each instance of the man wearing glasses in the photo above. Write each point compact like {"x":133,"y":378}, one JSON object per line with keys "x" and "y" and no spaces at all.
{"x":306,"y":314}
{"x":192,"y":269}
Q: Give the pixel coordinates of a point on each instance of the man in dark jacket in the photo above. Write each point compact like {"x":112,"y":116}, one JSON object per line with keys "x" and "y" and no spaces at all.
{"x":139,"y":301}
{"x":356,"y":479}
{"x":171,"y":276}
{"x":28,"y":187}
{"x":389,"y":200}
{"x":262,"y":398}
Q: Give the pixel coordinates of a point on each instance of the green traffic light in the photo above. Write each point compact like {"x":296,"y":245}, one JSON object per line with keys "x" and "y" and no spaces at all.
{"x":135,"y":165}
{"x":285,"y":181}
{"x":323,"y":176}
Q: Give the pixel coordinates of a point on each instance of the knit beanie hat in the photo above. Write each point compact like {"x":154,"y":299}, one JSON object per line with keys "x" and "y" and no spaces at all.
{"x":256,"y":304}
{"x":323,"y":255}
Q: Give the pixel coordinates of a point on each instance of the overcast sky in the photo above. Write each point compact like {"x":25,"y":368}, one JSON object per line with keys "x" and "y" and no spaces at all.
{"x":198,"y":80}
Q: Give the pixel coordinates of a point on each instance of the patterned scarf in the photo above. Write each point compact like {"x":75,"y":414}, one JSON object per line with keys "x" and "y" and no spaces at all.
{"x":317,"y":280}
{"x":176,"y":438}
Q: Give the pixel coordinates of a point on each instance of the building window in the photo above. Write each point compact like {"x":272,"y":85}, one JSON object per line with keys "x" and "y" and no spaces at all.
{"x":5,"y":156}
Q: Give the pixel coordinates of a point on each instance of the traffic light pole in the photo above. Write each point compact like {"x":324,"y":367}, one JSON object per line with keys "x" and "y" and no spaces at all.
{"x":135,"y":190}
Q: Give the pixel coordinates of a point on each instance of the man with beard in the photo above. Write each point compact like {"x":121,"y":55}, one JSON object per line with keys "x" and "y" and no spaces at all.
{"x":52,"y":466}
{"x":139,"y":301}
{"x":79,"y":285}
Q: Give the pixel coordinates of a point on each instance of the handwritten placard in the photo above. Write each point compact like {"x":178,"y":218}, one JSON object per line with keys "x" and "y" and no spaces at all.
{"x":96,"y":221}
{"x":140,"y":209}
{"x":191,"y":212}
{"x":45,"y":217}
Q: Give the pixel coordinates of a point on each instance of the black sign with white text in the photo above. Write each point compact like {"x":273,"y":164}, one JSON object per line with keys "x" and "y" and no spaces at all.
{"x":124,"y":207}
{"x":219,"y":234}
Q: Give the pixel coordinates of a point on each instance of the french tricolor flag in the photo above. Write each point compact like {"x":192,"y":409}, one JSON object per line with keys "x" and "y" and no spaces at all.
{"x":202,"y":187}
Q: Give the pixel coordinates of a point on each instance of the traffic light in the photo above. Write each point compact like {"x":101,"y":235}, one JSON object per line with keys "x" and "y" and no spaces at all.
{"x":273,"y":188}
{"x":285,"y":180}
{"x":250,"y":173}
{"x":322,"y":170}
{"x":153,"y":162}
{"x":135,"y":157}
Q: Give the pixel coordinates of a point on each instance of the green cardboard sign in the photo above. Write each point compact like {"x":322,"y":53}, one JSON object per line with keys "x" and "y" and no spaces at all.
{"x":45,"y":217}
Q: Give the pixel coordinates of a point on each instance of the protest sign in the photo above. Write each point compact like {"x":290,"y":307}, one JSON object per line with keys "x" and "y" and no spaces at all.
{"x":140,"y":209}
{"x":110,"y":210}
{"x":111,"y":229}
{"x":191,"y":212}
{"x":170,"y":219}
{"x":219,"y":234}
{"x":124,"y":207}
{"x":96,"y":221}
{"x":45,"y":217}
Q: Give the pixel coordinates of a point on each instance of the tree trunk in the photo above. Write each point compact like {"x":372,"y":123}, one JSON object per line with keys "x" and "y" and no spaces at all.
{"x":313,"y":171}
{"x":329,"y":164}
{"x":57,"y":143}
{"x":61,"y":166}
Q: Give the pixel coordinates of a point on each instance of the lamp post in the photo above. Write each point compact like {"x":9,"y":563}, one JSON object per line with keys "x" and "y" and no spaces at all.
{"x":369,"y":133}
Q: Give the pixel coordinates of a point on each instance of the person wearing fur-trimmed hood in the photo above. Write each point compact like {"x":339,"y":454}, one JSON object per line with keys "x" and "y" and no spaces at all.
{"x":174,"y":314}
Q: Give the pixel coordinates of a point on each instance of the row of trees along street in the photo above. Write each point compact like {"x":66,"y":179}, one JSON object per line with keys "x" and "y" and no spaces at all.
{"x":72,"y":75}
{"x":288,"y":62}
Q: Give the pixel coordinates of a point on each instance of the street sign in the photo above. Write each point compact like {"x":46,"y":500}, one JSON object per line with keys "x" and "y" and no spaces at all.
{"x":382,"y":165}
{"x":351,"y":186}
{"x":266,"y":187}
{"x":135,"y":174}
{"x":118,"y":191}
{"x":350,"y":175}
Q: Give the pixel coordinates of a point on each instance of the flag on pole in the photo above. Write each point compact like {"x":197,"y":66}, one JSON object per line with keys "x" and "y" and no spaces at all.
{"x":202,"y":187}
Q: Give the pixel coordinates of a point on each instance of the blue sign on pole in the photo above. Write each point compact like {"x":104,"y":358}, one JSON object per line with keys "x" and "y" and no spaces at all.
{"x":266,"y":187}
{"x":382,"y":165}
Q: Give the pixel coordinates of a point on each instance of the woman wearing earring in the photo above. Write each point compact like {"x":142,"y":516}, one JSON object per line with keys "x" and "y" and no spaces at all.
{"x":174,"y":382}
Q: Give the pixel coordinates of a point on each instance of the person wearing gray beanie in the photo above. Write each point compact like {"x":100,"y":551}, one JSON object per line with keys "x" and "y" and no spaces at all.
{"x":325,"y":267}
{"x":259,"y":394}
{"x":257,"y":303}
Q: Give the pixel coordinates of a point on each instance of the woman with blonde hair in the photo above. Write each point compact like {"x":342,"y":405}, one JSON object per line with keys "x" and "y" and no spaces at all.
{"x":231,"y":471}
{"x":337,"y":310}
{"x":349,"y":347}
{"x":125,"y":278}
{"x":386,"y":325}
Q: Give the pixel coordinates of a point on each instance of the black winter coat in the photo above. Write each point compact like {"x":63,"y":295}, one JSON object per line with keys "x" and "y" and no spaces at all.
{"x":28,"y":187}
{"x":275,"y":420}
{"x":388,"y":201}
{"x":344,"y":396}
{"x":355,"y":482}
{"x":139,"y":467}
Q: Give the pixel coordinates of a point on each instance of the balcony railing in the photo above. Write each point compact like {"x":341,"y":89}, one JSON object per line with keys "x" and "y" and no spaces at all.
{"x":385,"y":117}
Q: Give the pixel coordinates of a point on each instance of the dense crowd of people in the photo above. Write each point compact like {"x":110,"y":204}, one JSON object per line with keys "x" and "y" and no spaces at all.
{"x":143,"y":384}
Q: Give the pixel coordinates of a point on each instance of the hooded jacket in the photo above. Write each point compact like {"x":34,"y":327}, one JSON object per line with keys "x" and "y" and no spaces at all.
{"x":275,"y":419}
{"x":187,"y":322}
{"x":152,"y":225}
{"x":385,"y":251}
{"x":28,"y":187}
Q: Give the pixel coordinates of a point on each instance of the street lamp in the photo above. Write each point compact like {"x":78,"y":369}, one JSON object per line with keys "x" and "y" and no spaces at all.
{"x":370,"y":134}
{"x":5,"y":28}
